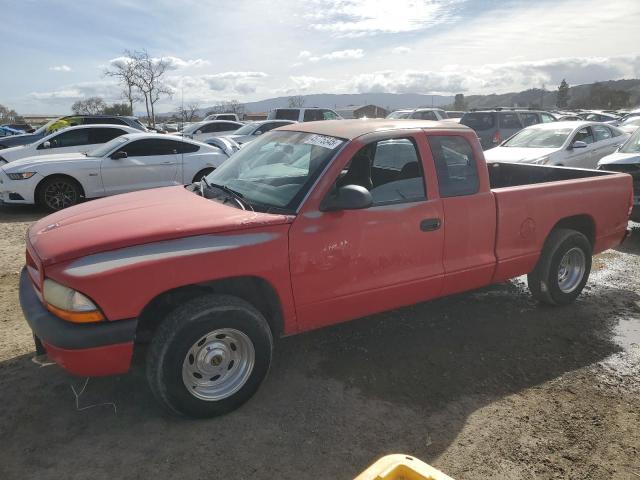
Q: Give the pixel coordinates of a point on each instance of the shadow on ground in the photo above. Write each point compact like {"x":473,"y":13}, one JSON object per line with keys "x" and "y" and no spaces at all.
{"x":21,"y":213}
{"x":335,"y":400}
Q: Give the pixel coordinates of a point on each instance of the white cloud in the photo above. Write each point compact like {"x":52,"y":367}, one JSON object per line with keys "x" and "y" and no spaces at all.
{"x":400,"y":50}
{"x":60,"y":68}
{"x":305,"y":83}
{"x":355,"y":18}
{"x":174,"y":63}
{"x":304,"y":54}
{"x":350,"y":54}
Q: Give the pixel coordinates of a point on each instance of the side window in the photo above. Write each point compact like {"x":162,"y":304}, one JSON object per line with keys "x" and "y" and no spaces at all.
{"x":390,"y":169}
{"x":313,"y":115}
{"x":546,"y":118}
{"x":509,"y":120}
{"x":72,"y":138}
{"x":601,"y":132}
{"x":185,"y":147}
{"x":228,"y":126}
{"x":584,"y":135}
{"x":103,"y":135}
{"x":209,"y":128}
{"x":265,"y":127}
{"x":455,"y":165}
{"x":150,"y":146}
{"x":425,"y":115}
{"x":529,"y":119}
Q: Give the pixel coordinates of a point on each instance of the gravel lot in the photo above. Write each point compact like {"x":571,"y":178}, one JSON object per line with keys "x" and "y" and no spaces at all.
{"x":483,"y":384}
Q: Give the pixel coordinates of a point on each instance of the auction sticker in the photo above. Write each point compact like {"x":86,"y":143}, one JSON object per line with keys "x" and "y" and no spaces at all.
{"x":323,"y":141}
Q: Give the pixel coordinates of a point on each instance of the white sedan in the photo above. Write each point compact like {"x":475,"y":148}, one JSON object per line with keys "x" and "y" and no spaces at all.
{"x":80,"y":138}
{"x":214,"y":128}
{"x":572,"y":144}
{"x":131,"y":162}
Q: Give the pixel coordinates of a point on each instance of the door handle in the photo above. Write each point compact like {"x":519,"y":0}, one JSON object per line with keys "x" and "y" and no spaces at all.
{"x":430,"y":224}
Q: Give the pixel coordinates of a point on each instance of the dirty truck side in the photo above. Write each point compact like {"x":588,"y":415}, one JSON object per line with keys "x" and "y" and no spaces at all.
{"x":310,"y":225}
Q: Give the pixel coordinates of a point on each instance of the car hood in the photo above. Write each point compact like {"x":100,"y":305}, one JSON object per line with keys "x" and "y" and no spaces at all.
{"x":34,"y":161}
{"x":620,"y":158}
{"x":12,"y":152}
{"x":516,"y":154}
{"x":137,"y":218}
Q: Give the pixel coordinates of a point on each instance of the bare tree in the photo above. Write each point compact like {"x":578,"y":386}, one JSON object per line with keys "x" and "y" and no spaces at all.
{"x":90,"y":106}
{"x":149,"y":73}
{"x":296,"y":101}
{"x":9,"y":116}
{"x":231,"y":106}
{"x":189,"y":112}
{"x":124,"y":70}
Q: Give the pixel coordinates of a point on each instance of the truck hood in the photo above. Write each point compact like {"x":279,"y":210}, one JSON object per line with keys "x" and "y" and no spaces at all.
{"x":137,"y":218}
{"x":36,"y":160}
{"x":620,"y":158}
{"x":516,"y":154}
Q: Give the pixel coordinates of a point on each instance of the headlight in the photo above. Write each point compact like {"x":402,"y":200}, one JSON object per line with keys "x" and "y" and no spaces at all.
{"x":68,"y":304}
{"x":20,"y":176}
{"x":542,"y":160}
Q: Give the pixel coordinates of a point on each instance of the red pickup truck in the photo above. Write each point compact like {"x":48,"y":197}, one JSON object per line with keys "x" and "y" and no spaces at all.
{"x":310,"y":225}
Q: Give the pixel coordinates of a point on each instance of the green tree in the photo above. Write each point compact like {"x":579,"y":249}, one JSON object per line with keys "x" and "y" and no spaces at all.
{"x":118,"y":109}
{"x":562,"y":98}
{"x":459,"y":103}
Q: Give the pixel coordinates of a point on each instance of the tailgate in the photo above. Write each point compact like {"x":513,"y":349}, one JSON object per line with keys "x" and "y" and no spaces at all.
{"x":526,"y":214}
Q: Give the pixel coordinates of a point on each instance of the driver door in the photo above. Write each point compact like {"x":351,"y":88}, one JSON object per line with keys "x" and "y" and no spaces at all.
{"x":149,"y":163}
{"x":350,"y":263}
{"x":581,"y":157}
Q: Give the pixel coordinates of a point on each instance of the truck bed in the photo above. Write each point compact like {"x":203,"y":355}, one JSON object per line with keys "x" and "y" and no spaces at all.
{"x":531,"y":200}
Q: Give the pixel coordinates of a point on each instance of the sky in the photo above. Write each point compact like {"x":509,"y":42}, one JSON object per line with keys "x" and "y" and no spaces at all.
{"x":56,"y":51}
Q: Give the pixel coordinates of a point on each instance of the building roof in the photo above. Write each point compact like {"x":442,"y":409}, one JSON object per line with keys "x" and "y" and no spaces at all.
{"x":351,"y":129}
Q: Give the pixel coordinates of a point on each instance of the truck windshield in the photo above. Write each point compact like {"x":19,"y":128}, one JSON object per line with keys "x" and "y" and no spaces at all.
{"x":277,"y":169}
{"x":539,"y":138}
{"x":633,"y":144}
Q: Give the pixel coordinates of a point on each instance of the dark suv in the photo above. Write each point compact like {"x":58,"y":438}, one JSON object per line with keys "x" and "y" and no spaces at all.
{"x":69,"y":121}
{"x":495,"y":126}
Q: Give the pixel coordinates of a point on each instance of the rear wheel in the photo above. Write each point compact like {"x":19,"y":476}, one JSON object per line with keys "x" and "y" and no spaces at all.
{"x":563,"y":268}
{"x":56,"y":193}
{"x":209,"y":356}
{"x":202,"y":173}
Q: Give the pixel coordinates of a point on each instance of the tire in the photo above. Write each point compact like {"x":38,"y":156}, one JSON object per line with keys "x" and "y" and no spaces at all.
{"x":57,"y":192}
{"x":217,"y":335}
{"x":555,"y":282}
{"x":202,"y":173}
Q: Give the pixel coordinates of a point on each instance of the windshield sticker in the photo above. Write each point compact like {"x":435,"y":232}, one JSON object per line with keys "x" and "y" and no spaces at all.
{"x":323,"y":141}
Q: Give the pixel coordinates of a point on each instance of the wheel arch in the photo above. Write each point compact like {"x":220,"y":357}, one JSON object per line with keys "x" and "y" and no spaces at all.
{"x":36,"y":192}
{"x":582,"y":223}
{"x":255,"y":290}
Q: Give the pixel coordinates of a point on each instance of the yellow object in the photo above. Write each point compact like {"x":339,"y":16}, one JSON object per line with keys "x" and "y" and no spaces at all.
{"x":401,"y":467}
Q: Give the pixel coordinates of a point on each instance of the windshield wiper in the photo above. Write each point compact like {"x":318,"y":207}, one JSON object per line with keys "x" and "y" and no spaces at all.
{"x":237,"y":196}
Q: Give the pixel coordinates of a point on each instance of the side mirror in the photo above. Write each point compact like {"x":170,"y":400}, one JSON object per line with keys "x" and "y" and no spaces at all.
{"x":349,"y":197}
{"x":46,"y":144}
{"x":578,"y":144}
{"x":258,"y":132}
{"x":118,"y":155}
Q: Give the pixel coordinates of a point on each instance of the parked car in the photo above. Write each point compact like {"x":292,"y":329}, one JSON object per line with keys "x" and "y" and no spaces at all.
{"x":223,"y":116}
{"x":630,"y":124}
{"x":307,"y":226}
{"x":226,"y":144}
{"x":24,"y":127}
{"x":131,"y":162}
{"x":313,"y":114}
{"x":72,"y":139}
{"x":251,"y":131}
{"x":571,"y":144}
{"x":454,"y":113}
{"x":570,"y":118}
{"x":601,"y":117}
{"x":419,"y":114}
{"x":627,"y":160}
{"x":6,"y":131}
{"x":210,"y":128}
{"x":494,"y":126}
{"x":70,"y":121}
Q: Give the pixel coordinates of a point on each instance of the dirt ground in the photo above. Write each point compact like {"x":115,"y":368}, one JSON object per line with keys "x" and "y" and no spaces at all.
{"x":486,"y":384}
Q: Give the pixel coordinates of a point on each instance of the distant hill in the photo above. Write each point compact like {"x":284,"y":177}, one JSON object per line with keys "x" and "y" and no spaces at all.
{"x":535,"y":96}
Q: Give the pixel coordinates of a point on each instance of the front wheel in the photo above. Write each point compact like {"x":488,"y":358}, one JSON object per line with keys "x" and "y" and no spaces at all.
{"x":209,"y":356}
{"x":563,"y":268}
{"x":56,"y":193}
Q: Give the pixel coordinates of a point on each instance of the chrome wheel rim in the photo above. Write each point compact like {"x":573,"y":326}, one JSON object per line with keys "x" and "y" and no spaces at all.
{"x":59,"y":195}
{"x":571,"y":270}
{"x":218,"y":364}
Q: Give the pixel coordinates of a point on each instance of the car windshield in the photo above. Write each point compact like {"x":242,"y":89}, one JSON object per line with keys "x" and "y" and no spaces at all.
{"x":276,"y":170}
{"x":246,"y":129}
{"x":633,"y":144}
{"x":397,"y":115}
{"x":103,"y":149}
{"x":539,"y":138}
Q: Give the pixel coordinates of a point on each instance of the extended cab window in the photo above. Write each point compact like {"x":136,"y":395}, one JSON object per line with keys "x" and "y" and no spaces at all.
{"x":390,"y":169}
{"x":455,"y":165}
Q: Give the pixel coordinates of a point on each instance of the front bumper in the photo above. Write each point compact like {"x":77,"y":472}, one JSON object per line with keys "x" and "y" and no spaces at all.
{"x":92,"y":350}
{"x":18,"y":191}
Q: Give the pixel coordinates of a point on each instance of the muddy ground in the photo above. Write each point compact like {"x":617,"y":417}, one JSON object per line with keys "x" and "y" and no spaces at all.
{"x":486,"y":384}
